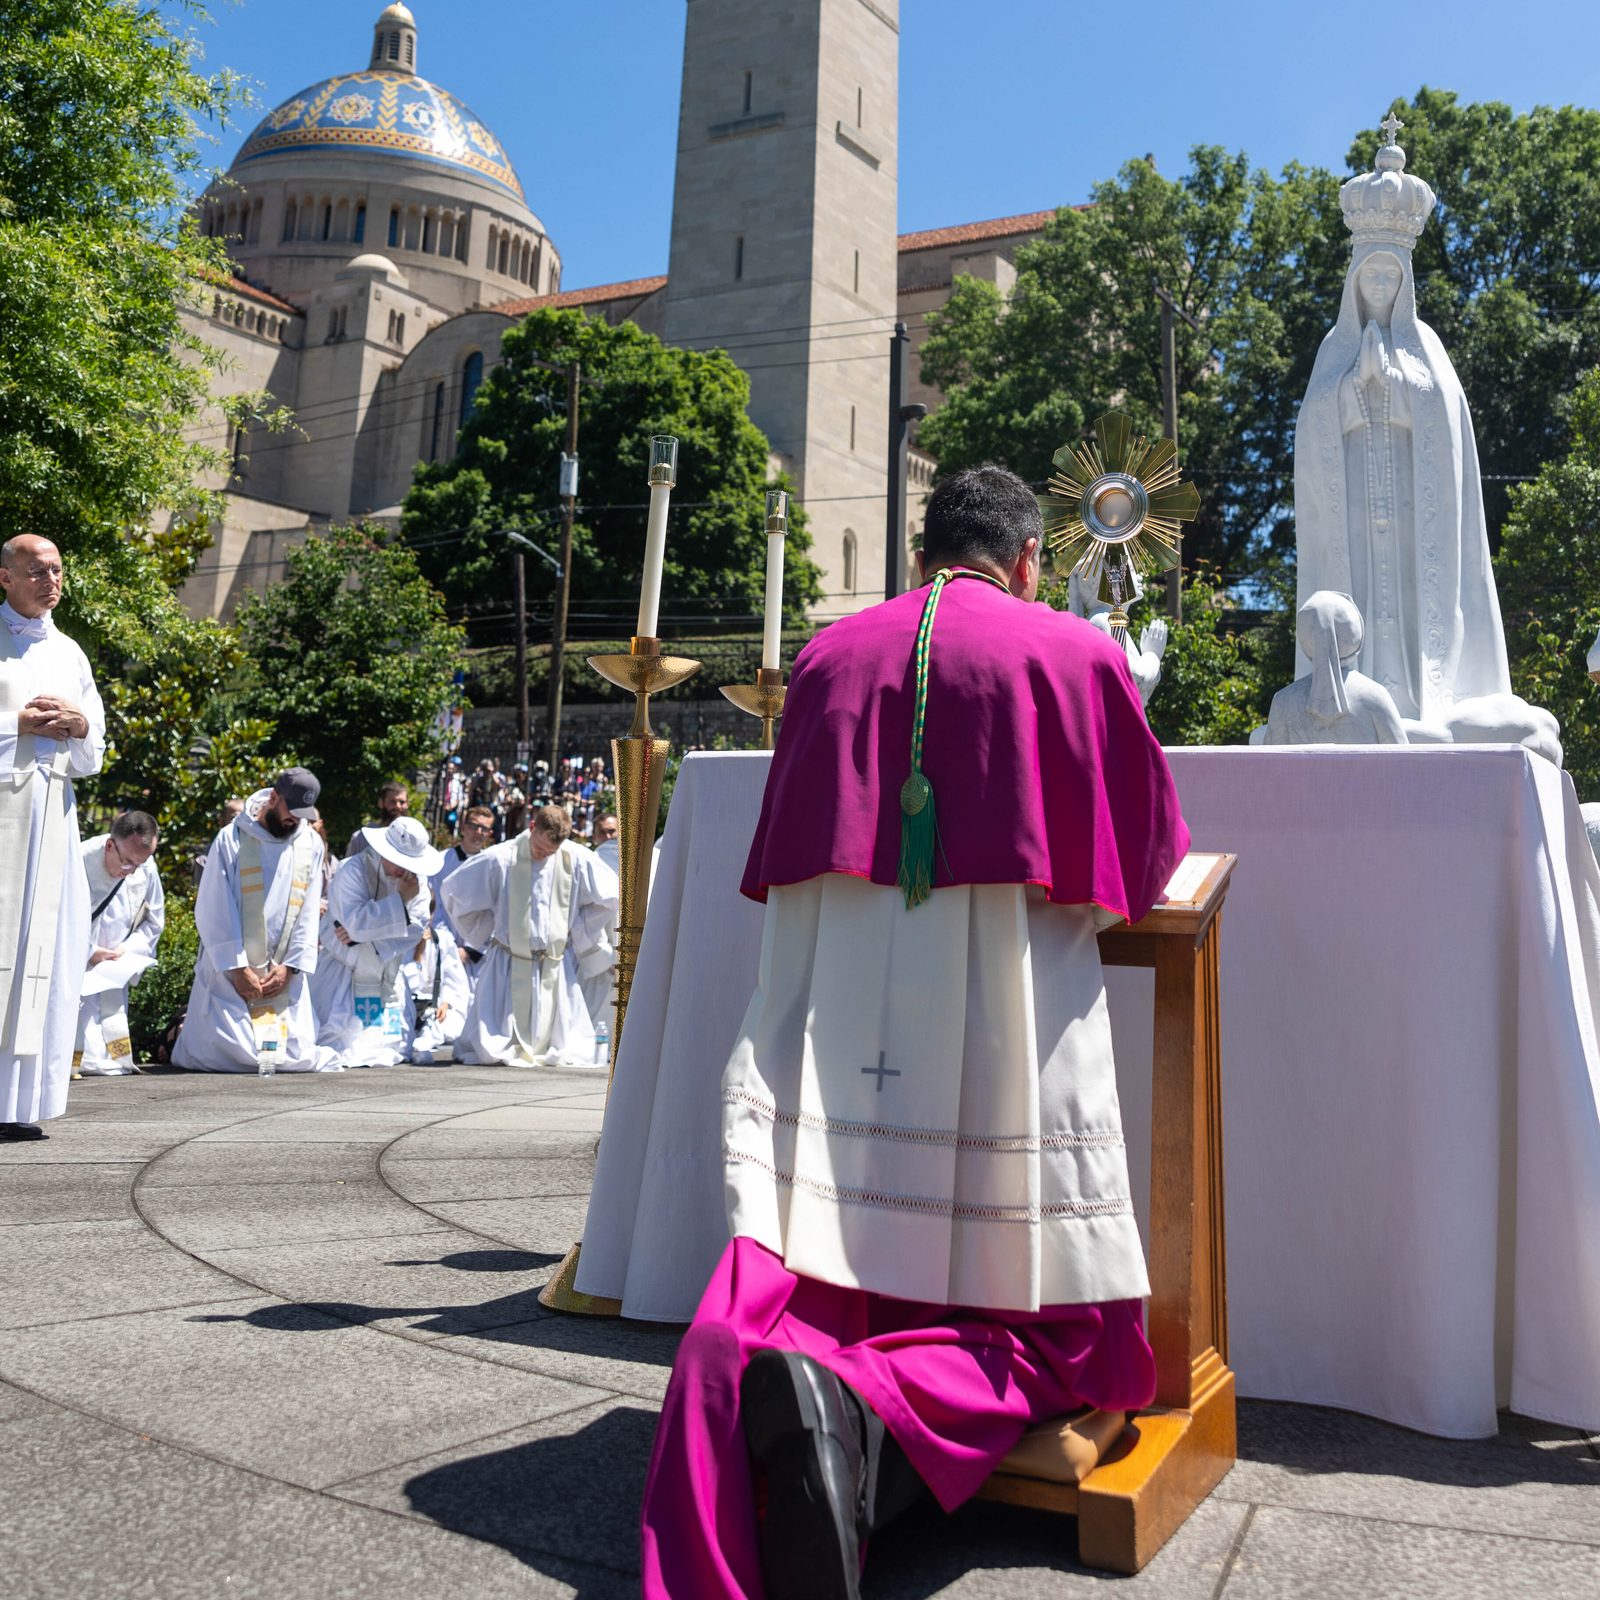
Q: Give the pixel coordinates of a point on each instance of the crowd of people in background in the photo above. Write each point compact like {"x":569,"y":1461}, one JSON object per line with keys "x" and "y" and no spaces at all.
{"x":579,"y":785}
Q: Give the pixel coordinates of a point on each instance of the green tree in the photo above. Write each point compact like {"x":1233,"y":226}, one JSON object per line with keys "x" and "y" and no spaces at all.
{"x":101,"y":104}
{"x":174,"y":749}
{"x":1256,"y":261}
{"x":1508,"y":274}
{"x":1549,"y":579}
{"x":355,"y":656}
{"x":505,"y":475}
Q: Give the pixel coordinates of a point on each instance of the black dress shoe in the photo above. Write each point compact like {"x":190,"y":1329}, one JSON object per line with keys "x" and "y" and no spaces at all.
{"x":21,"y":1130}
{"x":804,"y":1432}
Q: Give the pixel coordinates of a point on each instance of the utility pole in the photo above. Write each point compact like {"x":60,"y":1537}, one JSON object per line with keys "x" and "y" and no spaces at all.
{"x":519,"y":590}
{"x":901,"y":416}
{"x":558,"y":623}
{"x":1169,"y":412}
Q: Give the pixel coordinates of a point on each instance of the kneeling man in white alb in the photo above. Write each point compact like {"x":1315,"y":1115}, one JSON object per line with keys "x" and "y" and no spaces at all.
{"x":540,"y":907}
{"x":127,"y":913}
{"x":378,"y":907}
{"x":257,"y":916}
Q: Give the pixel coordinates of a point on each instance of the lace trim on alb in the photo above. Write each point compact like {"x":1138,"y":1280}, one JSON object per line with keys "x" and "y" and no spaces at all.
{"x":926,"y":1205}
{"x":1001,"y":1143}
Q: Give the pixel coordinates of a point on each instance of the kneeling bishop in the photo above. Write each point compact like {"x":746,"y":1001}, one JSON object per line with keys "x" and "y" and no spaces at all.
{"x":933,"y":1244}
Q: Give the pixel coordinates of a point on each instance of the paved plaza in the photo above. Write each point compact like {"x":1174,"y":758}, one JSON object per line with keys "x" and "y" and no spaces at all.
{"x":282,"y":1337}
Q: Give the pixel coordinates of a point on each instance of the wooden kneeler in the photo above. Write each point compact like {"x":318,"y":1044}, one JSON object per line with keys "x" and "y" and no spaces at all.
{"x":1132,"y":1485}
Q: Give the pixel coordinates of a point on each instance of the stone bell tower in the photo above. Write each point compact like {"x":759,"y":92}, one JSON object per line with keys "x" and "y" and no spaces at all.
{"x":784,"y":239}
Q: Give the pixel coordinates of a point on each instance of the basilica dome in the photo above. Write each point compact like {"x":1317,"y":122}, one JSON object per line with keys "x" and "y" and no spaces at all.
{"x":384,"y":111}
{"x":382,"y":159}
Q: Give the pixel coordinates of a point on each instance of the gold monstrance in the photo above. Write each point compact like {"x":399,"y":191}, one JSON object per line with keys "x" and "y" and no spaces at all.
{"x":1116,"y":502}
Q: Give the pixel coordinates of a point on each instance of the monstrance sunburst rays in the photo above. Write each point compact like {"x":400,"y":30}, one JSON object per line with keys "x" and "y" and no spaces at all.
{"x":1117,"y":499}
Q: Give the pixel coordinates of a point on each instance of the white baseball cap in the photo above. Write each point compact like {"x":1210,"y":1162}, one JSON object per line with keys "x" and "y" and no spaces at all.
{"x":405,"y":843}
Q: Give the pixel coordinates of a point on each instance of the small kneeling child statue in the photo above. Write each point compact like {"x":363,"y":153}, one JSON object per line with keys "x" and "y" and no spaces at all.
{"x":1334,"y":703}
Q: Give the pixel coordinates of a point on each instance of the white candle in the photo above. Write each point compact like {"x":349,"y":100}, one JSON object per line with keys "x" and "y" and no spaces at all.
{"x":663,"y":474}
{"x":777,"y":528}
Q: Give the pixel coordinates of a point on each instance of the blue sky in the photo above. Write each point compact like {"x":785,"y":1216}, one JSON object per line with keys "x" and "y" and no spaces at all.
{"x":1006,"y":105}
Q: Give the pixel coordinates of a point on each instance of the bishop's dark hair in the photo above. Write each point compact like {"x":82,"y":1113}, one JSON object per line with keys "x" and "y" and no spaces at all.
{"x":982,"y":513}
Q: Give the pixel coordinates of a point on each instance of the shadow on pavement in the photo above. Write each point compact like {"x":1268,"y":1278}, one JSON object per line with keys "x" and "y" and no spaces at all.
{"x":1317,"y":1441}
{"x":569,"y":1498}
{"x":510,"y":1319}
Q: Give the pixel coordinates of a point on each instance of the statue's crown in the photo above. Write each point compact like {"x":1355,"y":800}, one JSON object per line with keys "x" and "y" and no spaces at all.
{"x":1389,"y":205}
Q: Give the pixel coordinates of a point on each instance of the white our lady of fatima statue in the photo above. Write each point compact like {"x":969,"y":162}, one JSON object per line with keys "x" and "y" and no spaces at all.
{"x":1388,"y":503}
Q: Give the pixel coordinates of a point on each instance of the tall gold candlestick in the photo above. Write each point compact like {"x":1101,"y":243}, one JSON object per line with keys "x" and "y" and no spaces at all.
{"x":764,"y":698}
{"x":640,"y":763}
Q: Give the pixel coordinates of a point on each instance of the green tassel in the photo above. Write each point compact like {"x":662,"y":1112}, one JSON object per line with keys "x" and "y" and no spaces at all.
{"x":919,"y":838}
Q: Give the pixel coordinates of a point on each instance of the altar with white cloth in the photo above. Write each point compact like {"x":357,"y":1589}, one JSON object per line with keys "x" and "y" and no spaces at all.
{"x":1410,"y":982}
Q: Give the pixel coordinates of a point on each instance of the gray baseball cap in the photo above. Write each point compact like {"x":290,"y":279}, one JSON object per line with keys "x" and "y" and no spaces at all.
{"x":299,"y":788}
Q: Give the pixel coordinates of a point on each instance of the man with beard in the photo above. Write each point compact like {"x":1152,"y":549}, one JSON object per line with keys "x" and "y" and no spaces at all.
{"x":394,"y":800}
{"x":257,"y":914}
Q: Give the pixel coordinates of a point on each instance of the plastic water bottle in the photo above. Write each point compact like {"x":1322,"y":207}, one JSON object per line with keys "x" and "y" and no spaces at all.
{"x":602,"y":1044}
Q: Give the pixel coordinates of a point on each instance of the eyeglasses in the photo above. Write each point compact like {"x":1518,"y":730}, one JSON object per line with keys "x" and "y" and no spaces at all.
{"x":127,"y":865}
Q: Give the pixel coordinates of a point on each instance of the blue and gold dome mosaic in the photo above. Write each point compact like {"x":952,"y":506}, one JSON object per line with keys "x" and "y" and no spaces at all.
{"x":393,"y":112}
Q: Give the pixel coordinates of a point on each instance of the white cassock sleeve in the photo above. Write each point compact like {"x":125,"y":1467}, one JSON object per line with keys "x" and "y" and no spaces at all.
{"x":142,"y":941}
{"x":302,"y":951}
{"x":472,"y":895}
{"x":217,"y":917}
{"x":387,"y":922}
{"x":85,"y":755}
{"x":595,"y":904}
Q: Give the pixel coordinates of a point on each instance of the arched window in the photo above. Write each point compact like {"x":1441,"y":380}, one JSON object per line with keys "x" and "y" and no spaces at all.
{"x":849,"y":561}
{"x":438,"y":422}
{"x":394,"y":46}
{"x":360,"y":232}
{"x":411,"y":51}
{"x":471,"y":382}
{"x":394,"y":227}
{"x":463,"y":234}
{"x":505,"y":251}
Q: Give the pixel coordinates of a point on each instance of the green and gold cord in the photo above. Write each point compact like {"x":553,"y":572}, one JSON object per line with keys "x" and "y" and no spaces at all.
{"x":919,"y":826}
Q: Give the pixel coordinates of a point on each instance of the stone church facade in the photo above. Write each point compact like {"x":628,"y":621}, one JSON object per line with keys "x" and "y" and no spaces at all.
{"x":383,"y":245}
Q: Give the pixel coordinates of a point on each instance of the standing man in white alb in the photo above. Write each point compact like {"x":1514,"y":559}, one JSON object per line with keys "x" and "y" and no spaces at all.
{"x":257,"y":915}
{"x":52,"y":730}
{"x":377,"y":910}
{"x":540,"y":907}
{"x":127,"y":913}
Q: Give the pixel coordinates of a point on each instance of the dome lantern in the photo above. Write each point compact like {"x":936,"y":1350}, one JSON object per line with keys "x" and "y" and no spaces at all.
{"x":394,"y":41}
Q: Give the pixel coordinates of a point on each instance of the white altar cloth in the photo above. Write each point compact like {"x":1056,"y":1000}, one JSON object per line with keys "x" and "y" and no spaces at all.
{"x":1410,"y":980}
